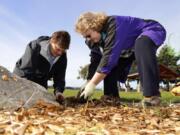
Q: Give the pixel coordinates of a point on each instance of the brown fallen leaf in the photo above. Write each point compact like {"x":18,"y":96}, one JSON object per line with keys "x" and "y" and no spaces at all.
{"x":90,"y":119}
{"x":5,"y":77}
{"x":21,"y":130}
{"x":55,"y":128}
{"x":14,"y":78}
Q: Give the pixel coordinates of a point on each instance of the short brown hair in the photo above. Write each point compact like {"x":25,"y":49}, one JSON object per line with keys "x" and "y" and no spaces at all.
{"x":62,"y":38}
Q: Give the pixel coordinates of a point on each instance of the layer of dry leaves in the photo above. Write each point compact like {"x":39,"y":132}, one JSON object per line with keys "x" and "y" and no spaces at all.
{"x":90,"y":119}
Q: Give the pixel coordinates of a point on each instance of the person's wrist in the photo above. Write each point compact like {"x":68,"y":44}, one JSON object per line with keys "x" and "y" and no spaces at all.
{"x":91,"y":85}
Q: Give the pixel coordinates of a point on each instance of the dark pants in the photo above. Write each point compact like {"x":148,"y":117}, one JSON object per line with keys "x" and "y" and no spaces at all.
{"x":145,"y":53}
{"x":119,"y":73}
{"x":110,"y":84}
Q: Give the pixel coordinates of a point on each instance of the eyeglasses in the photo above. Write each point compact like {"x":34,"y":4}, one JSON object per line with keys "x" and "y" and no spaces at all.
{"x":87,"y":36}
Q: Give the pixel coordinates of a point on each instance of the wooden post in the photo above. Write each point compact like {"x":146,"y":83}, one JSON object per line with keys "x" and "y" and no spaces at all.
{"x":138,"y":86}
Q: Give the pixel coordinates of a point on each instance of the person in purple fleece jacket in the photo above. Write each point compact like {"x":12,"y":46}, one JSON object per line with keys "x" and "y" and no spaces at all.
{"x":115,"y":42}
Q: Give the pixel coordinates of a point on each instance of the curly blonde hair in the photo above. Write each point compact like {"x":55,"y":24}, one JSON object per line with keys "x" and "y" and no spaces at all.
{"x":90,"y":20}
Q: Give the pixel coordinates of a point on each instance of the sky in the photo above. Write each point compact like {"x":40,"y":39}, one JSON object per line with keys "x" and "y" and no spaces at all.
{"x":24,"y":20}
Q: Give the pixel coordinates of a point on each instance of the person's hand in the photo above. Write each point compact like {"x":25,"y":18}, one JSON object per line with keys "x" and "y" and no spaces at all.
{"x":83,"y":86}
{"x":88,"y":91}
{"x":81,"y":90}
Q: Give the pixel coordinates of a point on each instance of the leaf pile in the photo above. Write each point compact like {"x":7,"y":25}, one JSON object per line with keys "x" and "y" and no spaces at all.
{"x":92,"y":118}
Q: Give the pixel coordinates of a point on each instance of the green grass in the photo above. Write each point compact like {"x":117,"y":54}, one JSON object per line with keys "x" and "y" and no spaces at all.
{"x":166,"y":97}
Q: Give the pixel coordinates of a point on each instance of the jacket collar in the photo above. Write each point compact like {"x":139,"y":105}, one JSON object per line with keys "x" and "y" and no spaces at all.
{"x":45,"y":50}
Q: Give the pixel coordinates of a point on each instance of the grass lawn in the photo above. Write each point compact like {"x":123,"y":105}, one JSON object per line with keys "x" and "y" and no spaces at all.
{"x":166,"y":97}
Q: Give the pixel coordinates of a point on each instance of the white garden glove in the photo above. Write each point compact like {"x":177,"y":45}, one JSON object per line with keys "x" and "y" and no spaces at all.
{"x":83,"y":86}
{"x":82,"y":89}
{"x":88,"y":91}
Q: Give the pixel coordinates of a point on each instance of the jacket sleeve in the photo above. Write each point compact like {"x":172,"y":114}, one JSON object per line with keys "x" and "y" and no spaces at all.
{"x":59,"y":74}
{"x":94,"y":62}
{"x":95,"y":55}
{"x":25,"y":66}
{"x":113,"y":45}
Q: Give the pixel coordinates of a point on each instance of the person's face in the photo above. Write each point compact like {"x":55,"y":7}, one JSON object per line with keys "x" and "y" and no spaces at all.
{"x":56,"y":50}
{"x":92,"y":35}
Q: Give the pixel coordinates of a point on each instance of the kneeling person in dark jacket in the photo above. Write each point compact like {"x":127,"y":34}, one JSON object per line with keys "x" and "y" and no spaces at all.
{"x":45,"y":58}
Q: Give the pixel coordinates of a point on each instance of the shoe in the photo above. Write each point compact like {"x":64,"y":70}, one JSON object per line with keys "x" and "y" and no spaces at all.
{"x":110,"y":100}
{"x":151,"y":101}
{"x":59,"y":97}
